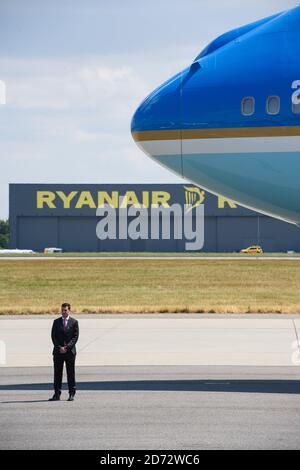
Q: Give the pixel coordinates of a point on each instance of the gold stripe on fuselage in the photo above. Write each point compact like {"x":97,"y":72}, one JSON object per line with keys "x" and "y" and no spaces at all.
{"x":217,"y":133}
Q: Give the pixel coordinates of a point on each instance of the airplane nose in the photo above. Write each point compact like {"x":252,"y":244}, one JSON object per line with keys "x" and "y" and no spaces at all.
{"x":161,"y":109}
{"x":157,"y":122}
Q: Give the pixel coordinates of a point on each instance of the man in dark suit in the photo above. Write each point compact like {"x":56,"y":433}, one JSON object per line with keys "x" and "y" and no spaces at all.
{"x":64,"y":334}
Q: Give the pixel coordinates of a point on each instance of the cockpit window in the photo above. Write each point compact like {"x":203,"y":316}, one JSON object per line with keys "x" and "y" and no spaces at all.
{"x":232,"y":35}
{"x":248,"y":106}
{"x":273,"y":105}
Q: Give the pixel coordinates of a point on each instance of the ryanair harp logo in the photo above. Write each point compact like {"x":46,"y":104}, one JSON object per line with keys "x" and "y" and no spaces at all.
{"x":193,"y":196}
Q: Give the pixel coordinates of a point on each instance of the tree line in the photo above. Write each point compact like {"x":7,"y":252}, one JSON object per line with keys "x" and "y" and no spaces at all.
{"x":4,"y":234}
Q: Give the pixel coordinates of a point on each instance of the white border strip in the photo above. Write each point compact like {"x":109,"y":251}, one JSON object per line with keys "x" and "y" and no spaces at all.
{"x":226,"y":145}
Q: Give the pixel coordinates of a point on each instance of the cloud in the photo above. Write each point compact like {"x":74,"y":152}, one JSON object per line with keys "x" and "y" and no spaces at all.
{"x":76,"y":71}
{"x":69,"y":121}
{"x":64,"y":85}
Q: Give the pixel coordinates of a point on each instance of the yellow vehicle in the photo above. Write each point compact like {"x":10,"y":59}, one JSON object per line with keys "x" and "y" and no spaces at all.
{"x":252,"y":249}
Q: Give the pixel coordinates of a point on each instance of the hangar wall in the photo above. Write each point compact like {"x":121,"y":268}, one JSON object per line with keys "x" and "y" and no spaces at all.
{"x":64,"y":216}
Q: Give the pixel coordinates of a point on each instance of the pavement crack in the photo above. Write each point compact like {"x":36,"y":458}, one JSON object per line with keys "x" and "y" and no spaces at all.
{"x":107,"y":330}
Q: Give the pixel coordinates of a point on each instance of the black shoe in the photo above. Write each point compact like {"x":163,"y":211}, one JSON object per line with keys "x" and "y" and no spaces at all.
{"x":71,"y":397}
{"x":55,"y":397}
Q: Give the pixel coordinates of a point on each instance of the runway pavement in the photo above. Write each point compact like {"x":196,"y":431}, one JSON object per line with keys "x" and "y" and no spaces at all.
{"x":155,"y":382}
{"x":158,"y":340}
{"x":153,"y":407}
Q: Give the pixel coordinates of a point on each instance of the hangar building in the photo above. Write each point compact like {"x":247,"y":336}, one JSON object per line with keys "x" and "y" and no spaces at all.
{"x":64,"y":216}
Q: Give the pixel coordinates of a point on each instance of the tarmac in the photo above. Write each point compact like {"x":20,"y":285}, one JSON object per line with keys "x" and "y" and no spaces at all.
{"x":158,"y":407}
{"x":157,"y":339}
{"x":161,"y":381}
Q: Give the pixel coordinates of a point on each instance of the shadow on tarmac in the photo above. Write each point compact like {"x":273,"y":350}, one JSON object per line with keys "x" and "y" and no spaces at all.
{"x":24,"y":401}
{"x":230,"y":386}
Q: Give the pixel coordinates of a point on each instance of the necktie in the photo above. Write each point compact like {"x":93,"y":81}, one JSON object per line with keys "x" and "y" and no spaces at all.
{"x":65,"y":324}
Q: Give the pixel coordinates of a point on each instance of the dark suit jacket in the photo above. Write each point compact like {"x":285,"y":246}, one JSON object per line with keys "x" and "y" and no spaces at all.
{"x":59,"y":338}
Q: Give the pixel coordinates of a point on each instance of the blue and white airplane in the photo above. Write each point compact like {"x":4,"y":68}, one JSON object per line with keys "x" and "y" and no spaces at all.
{"x":230,"y":122}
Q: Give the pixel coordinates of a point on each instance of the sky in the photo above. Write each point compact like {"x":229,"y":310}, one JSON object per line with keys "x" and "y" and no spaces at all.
{"x":75,"y":71}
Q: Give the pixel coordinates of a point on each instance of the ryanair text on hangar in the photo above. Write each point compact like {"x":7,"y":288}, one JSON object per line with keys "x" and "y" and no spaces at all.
{"x":138,"y":214}
{"x":86,"y":199}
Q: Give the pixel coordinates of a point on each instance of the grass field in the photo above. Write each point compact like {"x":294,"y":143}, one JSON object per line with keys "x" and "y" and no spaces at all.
{"x":146,"y":255}
{"x":150,"y":286}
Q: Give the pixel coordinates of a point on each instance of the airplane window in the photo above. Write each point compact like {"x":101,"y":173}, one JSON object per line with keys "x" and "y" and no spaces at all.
{"x":248,"y":105}
{"x":273,"y":104}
